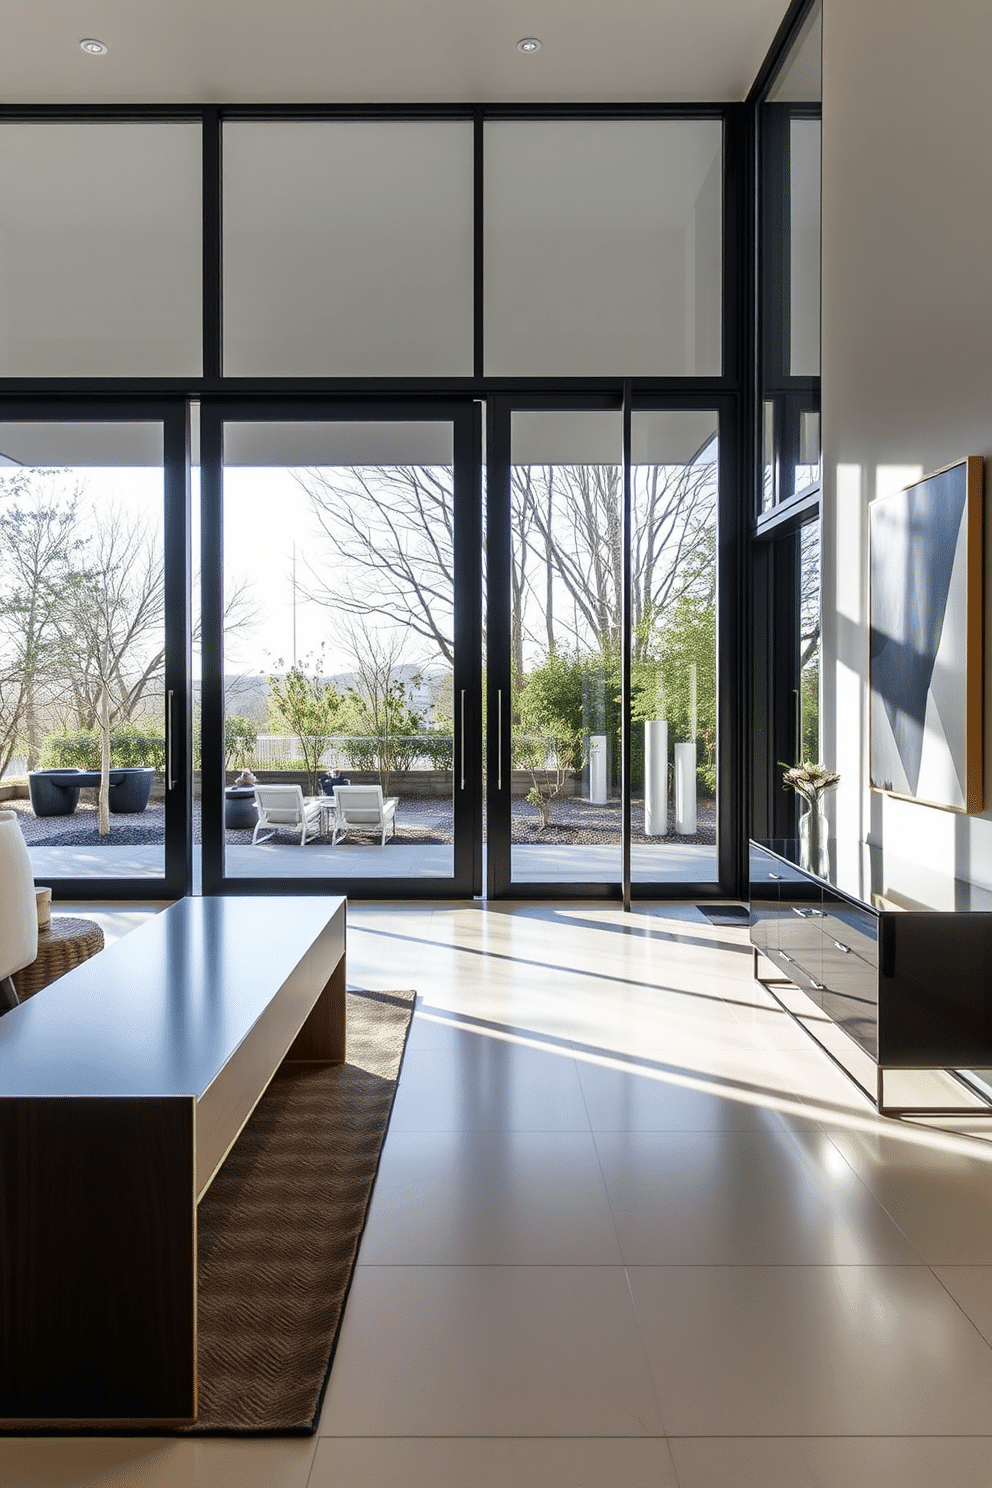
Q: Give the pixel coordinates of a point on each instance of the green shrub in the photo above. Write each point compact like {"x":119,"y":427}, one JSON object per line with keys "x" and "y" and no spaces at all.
{"x":437,"y":746}
{"x":71,"y":751}
{"x":129,"y":745}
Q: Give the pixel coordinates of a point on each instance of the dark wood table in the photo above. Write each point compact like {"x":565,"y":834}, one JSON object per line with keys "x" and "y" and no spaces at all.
{"x":122,"y":1091}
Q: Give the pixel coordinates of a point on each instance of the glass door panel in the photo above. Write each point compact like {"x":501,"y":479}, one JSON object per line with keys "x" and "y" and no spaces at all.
{"x":560,"y":712}
{"x":673,"y":705}
{"x":93,"y":618}
{"x":343,"y":684}
{"x":809,"y":641}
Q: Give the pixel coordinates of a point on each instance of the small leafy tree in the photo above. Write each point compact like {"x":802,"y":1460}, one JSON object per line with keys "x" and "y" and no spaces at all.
{"x":381,"y":712}
{"x":311,"y":709}
{"x":240,"y":741}
{"x":551,"y":742}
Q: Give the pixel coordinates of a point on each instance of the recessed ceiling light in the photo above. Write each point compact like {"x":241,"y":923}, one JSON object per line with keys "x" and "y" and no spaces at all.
{"x":528,"y":44}
{"x":92,"y":47}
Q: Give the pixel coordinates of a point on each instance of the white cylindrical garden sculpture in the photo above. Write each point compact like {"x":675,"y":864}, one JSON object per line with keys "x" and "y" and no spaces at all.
{"x":685,"y":789}
{"x":597,"y":769}
{"x":655,"y":778}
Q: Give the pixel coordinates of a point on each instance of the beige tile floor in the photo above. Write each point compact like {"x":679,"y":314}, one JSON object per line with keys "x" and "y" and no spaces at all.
{"x":631,"y":1230}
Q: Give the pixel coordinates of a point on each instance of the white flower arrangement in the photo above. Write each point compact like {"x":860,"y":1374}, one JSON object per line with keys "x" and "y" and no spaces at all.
{"x":810,"y":781}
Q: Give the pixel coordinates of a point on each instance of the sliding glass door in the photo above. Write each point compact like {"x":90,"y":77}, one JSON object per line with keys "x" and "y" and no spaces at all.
{"x":341,"y":670}
{"x":554,"y":647}
{"x":94,"y":644}
{"x":610,"y":596}
{"x":674,"y":728}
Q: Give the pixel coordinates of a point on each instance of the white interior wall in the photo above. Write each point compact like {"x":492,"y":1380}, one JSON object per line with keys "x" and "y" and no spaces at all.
{"x":907,"y":343}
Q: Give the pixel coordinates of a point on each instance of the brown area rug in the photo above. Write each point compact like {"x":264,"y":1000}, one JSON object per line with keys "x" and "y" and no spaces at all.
{"x":280,"y":1226}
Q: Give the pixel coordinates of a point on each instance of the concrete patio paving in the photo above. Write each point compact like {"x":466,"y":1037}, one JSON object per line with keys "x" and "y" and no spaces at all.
{"x":668,"y":863}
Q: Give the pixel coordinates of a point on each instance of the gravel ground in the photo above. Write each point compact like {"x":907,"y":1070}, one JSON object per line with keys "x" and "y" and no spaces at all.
{"x":574,"y":823}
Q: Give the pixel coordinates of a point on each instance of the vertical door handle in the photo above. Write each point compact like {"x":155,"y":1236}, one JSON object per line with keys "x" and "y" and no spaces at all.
{"x":170,"y":779}
{"x":463,"y":738}
{"x":499,"y":739}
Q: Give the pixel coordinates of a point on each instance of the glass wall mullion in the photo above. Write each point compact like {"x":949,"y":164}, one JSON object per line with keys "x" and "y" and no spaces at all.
{"x":498,"y":676}
{"x":177,"y":579}
{"x":626,"y":543}
{"x":212,"y":755}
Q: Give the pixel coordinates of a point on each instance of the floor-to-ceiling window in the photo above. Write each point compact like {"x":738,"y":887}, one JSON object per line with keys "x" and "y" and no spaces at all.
{"x":785,"y":548}
{"x":93,"y":645}
{"x":332,"y":291}
{"x":789,"y":150}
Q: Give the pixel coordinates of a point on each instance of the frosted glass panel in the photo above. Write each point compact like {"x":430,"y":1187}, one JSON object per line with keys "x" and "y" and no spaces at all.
{"x":804,"y":256}
{"x":348,"y":249}
{"x":603,"y":247}
{"x":100,"y":250}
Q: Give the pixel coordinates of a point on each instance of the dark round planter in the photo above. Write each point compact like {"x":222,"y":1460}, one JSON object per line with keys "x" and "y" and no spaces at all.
{"x":240,"y":811}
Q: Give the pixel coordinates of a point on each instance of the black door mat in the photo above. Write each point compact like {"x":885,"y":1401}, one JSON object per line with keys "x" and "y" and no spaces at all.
{"x":725,"y":914}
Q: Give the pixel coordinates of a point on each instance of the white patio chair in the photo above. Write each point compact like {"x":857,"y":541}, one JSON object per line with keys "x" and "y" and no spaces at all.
{"x":361,"y":808}
{"x":18,"y":914}
{"x":282,"y":808}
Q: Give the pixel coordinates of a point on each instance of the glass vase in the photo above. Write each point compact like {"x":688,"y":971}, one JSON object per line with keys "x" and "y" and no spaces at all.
{"x":814,"y":830}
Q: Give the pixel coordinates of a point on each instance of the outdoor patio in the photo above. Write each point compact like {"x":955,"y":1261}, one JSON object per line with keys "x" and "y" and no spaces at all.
{"x":581,"y":845}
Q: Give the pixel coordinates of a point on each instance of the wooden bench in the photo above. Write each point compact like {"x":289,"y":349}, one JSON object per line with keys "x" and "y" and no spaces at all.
{"x":123,"y":1087}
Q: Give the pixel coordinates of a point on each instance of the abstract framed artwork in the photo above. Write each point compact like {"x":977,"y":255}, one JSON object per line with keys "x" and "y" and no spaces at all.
{"x":926,"y":613}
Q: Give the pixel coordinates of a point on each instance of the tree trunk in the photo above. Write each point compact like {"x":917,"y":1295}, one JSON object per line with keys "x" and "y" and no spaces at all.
{"x":34,"y":749}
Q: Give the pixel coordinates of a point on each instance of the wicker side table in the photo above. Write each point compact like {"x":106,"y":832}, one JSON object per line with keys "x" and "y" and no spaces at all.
{"x":64,"y":943}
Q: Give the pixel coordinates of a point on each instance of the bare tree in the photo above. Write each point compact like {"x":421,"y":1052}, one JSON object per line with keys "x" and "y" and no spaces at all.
{"x":391,"y":534}
{"x":112,"y":622}
{"x":382,"y":702}
{"x":390,"y":540}
{"x":111,"y":618}
{"x":38,"y":549}
{"x":809,"y":594}
{"x":121,"y":572}
{"x":674,"y":544}
{"x":576,"y":511}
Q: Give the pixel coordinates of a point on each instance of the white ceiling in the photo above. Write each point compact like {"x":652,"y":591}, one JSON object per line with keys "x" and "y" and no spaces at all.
{"x":312,"y":51}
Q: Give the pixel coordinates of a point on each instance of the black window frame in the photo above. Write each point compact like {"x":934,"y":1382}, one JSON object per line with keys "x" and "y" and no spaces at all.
{"x":730,"y":391}
{"x":772,"y":592}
